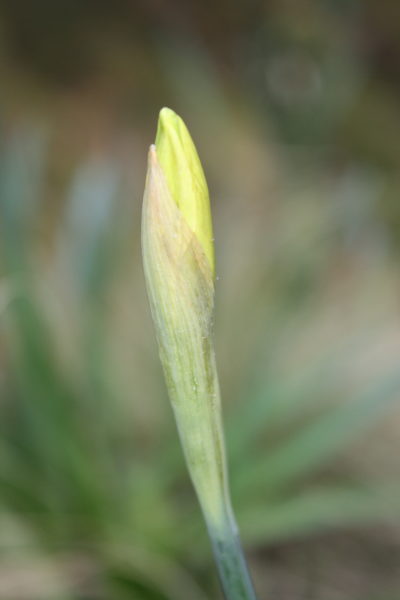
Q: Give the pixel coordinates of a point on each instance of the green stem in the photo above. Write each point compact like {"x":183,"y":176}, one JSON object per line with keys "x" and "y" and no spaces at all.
{"x":232,"y":567}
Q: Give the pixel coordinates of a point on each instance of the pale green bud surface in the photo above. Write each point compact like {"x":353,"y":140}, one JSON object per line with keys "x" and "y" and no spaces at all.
{"x":178,"y":260}
{"x":181,"y":291}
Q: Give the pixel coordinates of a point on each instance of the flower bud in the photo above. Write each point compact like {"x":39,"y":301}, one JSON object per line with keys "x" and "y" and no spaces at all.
{"x":178,"y":259}
{"x":179,"y":266}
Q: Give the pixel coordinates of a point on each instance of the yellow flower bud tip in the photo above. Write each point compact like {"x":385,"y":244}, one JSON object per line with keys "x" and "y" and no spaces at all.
{"x":184,"y":174}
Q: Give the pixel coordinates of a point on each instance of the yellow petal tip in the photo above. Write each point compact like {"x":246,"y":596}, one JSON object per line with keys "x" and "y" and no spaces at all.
{"x":184,"y":174}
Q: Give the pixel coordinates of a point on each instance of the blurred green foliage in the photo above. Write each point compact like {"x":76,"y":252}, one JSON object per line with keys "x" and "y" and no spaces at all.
{"x":295,"y":110}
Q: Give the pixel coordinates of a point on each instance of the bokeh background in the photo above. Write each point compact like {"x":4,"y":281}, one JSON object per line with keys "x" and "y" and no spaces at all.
{"x":295,"y":108}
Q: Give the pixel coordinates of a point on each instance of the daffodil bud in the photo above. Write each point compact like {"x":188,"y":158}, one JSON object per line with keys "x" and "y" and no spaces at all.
{"x":179,"y":266}
{"x":178,"y":259}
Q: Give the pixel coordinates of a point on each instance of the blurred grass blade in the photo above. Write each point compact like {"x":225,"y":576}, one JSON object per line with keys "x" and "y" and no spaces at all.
{"x":89,"y":217}
{"x":274,"y":403}
{"x":318,"y":509}
{"x":136,"y":565}
{"x":318,"y":442}
{"x":21,"y":177}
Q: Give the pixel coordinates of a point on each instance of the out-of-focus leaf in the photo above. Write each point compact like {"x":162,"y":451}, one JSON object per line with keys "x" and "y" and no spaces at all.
{"x":319,"y":441}
{"x":273,"y":403}
{"x":319,"y":509}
